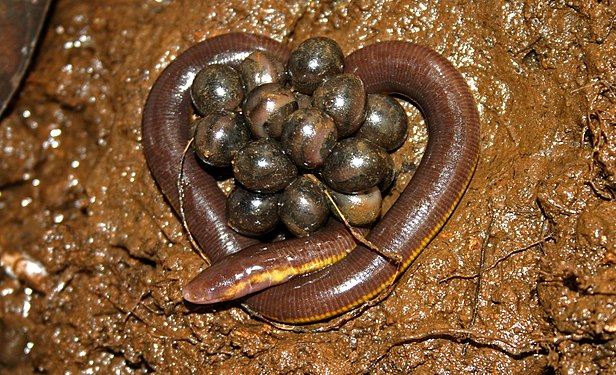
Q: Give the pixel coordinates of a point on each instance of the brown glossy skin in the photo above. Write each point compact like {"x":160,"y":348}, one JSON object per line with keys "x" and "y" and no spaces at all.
{"x":416,"y":72}
{"x":259,"y":267}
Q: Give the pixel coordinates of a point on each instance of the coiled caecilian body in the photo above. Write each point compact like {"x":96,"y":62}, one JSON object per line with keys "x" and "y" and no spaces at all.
{"x":335,"y":283}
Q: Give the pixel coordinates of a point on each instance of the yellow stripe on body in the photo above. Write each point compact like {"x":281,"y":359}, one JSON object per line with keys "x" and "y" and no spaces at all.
{"x":281,"y":274}
{"x":412,"y":256}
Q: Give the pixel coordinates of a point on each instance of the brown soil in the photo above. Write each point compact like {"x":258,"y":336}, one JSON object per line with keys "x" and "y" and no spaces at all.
{"x":78,"y":201}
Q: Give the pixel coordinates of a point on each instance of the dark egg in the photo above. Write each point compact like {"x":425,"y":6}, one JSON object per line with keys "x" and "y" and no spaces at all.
{"x":266,"y":107}
{"x":313,"y":61}
{"x":262,"y":166}
{"x":259,"y":68}
{"x":359,"y":209}
{"x":308,"y":137}
{"x":216,"y":87}
{"x":386,"y":123}
{"x":251,"y":213}
{"x":389,"y":175}
{"x":218,"y":137}
{"x":354,"y":165}
{"x":303,"y":207}
{"x":344,"y":98}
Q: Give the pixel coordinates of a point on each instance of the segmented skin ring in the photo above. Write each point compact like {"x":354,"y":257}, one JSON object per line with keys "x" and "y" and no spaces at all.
{"x":331,"y":282}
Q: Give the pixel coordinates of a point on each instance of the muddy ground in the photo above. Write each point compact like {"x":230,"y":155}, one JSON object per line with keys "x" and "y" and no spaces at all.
{"x":77,"y":200}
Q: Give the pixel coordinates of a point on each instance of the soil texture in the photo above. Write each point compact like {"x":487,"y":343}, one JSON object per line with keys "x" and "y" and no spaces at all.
{"x":522,"y":278}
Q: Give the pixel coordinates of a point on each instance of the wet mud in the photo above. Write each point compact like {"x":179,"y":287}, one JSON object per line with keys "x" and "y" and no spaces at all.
{"x":521,"y":279}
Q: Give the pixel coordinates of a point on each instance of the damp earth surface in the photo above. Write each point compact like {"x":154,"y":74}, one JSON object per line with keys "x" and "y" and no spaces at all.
{"x":94,"y":259}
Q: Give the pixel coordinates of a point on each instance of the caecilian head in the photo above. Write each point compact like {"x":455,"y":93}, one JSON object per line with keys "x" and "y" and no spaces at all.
{"x":231,"y":278}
